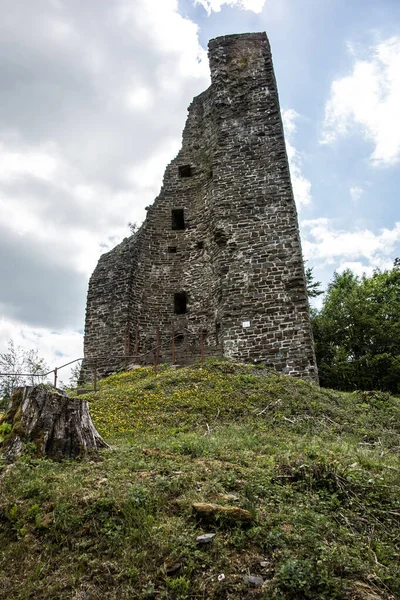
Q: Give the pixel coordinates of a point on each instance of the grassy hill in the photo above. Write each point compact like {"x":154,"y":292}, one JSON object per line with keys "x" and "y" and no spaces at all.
{"x":318,"y":472}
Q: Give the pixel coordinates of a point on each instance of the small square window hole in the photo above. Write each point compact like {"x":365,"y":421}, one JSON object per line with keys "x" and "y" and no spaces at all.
{"x":178,"y":219}
{"x":185,"y":171}
{"x":180,"y":303}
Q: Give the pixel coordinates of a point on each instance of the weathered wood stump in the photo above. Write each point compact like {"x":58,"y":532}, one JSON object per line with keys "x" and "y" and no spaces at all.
{"x":59,"y":426}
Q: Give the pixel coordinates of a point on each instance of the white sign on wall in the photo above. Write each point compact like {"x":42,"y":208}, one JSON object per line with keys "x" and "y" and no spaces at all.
{"x":245,"y":324}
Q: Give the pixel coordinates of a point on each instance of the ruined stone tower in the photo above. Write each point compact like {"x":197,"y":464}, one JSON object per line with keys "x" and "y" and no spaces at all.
{"x":219,"y":251}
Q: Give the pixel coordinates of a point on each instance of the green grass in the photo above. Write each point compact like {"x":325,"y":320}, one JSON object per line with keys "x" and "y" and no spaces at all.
{"x":318,"y":470}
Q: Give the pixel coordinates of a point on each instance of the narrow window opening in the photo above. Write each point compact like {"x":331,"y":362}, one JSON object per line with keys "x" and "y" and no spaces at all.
{"x":178,"y":219}
{"x":217,"y":331}
{"x":180,"y":303}
{"x":172,"y":249}
{"x":200,"y":245}
{"x":185,"y":171}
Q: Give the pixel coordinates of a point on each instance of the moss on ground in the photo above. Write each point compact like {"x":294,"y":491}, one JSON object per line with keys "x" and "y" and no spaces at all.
{"x":318,"y":470}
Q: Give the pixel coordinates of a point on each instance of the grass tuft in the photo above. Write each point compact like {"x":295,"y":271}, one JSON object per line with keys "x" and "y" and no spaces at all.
{"x":318,"y":471}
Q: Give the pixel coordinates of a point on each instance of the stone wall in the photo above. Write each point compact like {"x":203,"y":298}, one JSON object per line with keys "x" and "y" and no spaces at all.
{"x":222,"y":233}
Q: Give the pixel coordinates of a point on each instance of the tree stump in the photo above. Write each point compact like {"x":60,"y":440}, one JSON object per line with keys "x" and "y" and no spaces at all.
{"x":59,"y":426}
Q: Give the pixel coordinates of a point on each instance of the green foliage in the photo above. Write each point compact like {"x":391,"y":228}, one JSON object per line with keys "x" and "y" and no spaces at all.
{"x":5,"y":428}
{"x":13,"y":363}
{"x":180,"y":586}
{"x":300,"y":576}
{"x":313,"y":287}
{"x":318,"y":470}
{"x":357,"y":332}
{"x":133,"y":227}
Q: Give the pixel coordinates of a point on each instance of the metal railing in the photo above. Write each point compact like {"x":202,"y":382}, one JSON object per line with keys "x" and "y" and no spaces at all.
{"x":139,"y":358}
{"x":42,"y":375}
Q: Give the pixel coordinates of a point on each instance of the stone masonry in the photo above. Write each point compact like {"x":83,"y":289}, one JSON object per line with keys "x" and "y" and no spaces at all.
{"x":219,"y":250}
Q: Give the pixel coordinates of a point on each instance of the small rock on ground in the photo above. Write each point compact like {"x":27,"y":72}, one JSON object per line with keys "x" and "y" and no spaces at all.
{"x":206,"y":538}
{"x":253,"y":580}
{"x":211,"y":510}
{"x":171,"y":569}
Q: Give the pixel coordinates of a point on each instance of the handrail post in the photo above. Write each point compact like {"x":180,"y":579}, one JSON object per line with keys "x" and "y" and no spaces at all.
{"x":173,"y":345}
{"x":127,"y":344}
{"x":137,"y":344}
{"x":157,"y":351}
{"x":95,"y":375}
{"x":158,"y":346}
{"x":55,"y":376}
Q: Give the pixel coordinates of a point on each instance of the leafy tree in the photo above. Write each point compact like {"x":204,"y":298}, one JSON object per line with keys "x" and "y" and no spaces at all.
{"x":11,"y":364}
{"x":357,"y":331}
{"x":74,"y":375}
{"x":313,"y":287}
{"x":133,"y":227}
{"x":20,"y":367}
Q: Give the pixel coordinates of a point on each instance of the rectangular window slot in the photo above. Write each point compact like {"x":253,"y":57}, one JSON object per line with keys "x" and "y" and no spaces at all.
{"x":172,"y":249}
{"x":178,"y":219}
{"x":200,"y":245}
{"x":185,"y":171}
{"x":180,"y":303}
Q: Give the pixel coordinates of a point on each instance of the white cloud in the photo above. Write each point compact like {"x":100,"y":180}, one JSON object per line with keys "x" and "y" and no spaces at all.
{"x":361,"y":250}
{"x":216,"y":5}
{"x":59,"y":30}
{"x":361,"y":269}
{"x":367,"y":100}
{"x":57,"y":348}
{"x":84,"y":147}
{"x":170,"y":33}
{"x":140,"y":99}
{"x":356,"y":192}
{"x":147,"y":175}
{"x":72,"y":203}
{"x":38,"y":162}
{"x":301,"y":185}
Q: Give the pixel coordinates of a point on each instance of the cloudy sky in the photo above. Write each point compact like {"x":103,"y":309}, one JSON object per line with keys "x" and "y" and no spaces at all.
{"x":93,"y":100}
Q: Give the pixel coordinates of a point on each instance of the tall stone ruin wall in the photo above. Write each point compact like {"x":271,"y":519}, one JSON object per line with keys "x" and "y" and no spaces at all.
{"x":222,"y":233}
